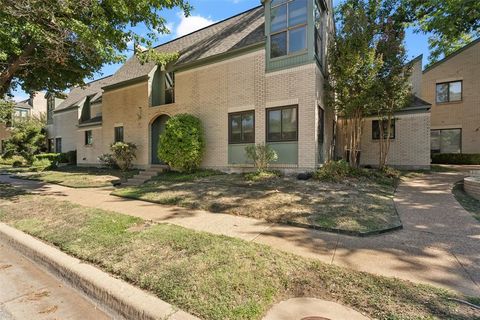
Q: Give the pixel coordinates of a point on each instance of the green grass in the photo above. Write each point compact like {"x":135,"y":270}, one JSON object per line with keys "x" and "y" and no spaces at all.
{"x":470,"y":204}
{"x":213,"y":276}
{"x":354,"y":205}
{"x":78,"y":177}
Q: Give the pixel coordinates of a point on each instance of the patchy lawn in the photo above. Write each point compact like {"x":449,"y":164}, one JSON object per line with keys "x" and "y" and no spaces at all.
{"x":355,"y":205}
{"x":469,"y":203}
{"x":212,"y":276}
{"x":77,"y":177}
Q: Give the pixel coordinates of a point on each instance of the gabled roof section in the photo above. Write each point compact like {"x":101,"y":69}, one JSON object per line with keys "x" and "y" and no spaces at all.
{"x":23,"y":104}
{"x":237,"y":32}
{"x":471,"y":44}
{"x":77,"y":94}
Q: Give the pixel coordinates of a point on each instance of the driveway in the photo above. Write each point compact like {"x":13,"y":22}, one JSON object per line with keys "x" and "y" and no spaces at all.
{"x":439,"y":245}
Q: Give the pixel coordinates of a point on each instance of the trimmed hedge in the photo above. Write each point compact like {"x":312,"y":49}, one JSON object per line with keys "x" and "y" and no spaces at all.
{"x":456,"y":158}
{"x":54,"y":158}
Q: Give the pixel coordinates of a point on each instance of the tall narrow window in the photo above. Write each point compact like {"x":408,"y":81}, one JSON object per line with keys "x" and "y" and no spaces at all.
{"x":288,"y":27}
{"x":118,"y":134}
{"x":241,"y":127}
{"x":169,"y":87}
{"x":58,"y":145}
{"x":319,"y":30}
{"x":282,"y":124}
{"x":88,"y":138}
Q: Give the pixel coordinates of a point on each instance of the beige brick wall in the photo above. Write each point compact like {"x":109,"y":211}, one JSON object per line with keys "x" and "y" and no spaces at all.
{"x":410,"y":148}
{"x":65,"y":127}
{"x":88,"y":155}
{"x":464,"y":66}
{"x":210,"y":92}
{"x":416,"y":77}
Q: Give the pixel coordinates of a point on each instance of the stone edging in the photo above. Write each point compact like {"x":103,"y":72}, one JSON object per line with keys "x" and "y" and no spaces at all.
{"x":471,"y":185}
{"x":117,"y":296}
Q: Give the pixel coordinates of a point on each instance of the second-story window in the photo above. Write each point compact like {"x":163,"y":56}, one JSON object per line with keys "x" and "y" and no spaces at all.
{"x":449,"y":91}
{"x":288,"y":27}
{"x":319,"y":29}
{"x":169,"y":87}
{"x":50,"y":108}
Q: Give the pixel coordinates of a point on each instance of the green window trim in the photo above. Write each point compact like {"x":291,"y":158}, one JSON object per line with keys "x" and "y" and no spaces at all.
{"x":282,"y":135}
{"x":246,"y":127}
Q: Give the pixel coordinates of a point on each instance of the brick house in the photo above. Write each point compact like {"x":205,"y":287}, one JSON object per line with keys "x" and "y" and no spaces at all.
{"x":257,"y":77}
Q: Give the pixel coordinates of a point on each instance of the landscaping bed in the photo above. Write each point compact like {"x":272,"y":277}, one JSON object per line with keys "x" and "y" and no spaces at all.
{"x":77,"y":177}
{"x":355,"y":205}
{"x":213,"y":276}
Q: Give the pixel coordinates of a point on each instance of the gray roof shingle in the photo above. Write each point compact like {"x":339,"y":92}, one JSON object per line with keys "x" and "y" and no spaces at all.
{"x":77,"y":94}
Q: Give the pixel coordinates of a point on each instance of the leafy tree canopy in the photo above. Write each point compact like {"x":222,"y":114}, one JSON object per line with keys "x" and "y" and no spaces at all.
{"x":51,"y":45}
{"x":27,"y":139}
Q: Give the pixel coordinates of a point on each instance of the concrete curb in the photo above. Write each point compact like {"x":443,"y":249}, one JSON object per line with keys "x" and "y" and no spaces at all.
{"x":117,"y":296}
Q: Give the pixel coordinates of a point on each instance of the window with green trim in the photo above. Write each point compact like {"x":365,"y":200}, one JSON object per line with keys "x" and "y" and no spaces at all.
{"x":288,"y":27}
{"x":282,"y":124}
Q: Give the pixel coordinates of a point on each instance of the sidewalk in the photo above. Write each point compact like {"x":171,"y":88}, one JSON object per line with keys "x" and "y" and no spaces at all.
{"x":440,"y":243}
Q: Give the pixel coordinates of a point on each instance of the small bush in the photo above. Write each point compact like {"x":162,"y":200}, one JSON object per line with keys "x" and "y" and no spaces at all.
{"x":456,"y":158}
{"x":261,"y":176}
{"x":18,"y":163}
{"x":40,"y":165}
{"x":108,"y":161}
{"x":334,"y":171}
{"x":124,"y":153}
{"x":54,"y":158}
{"x":70,"y":157}
{"x":262,"y":155}
{"x":11,"y":160}
{"x":182,"y":144}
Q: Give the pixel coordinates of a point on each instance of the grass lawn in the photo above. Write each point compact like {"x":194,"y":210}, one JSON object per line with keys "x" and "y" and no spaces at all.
{"x":356,"y":205}
{"x":468,"y":202}
{"x":77,"y":177}
{"x":213,"y":276}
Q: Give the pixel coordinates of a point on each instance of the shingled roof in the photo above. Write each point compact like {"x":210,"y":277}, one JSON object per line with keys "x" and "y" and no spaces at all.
{"x":240,"y":31}
{"x":77,"y":94}
{"x":23,"y":104}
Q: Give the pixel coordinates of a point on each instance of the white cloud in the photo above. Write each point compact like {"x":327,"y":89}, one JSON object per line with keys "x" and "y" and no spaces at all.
{"x":191,"y":23}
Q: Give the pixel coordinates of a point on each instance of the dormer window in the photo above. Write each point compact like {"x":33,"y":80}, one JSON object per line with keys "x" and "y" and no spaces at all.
{"x":288,"y":27}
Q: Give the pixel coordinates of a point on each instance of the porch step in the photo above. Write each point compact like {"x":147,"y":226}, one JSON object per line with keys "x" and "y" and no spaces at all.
{"x":145,"y":175}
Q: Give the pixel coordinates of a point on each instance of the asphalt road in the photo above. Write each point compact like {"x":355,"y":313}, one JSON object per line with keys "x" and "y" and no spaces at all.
{"x":29,"y":292}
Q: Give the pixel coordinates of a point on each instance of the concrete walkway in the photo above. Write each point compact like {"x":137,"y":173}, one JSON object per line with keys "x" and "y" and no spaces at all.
{"x":439,"y":245}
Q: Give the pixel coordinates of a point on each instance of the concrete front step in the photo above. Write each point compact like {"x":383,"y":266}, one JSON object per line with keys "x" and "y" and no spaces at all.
{"x":145,"y":175}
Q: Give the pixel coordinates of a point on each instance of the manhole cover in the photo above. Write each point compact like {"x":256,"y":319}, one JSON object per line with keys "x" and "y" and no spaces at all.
{"x":315,"y":318}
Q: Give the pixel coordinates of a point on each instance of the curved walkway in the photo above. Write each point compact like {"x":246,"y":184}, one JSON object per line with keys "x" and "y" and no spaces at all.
{"x":439,"y":245}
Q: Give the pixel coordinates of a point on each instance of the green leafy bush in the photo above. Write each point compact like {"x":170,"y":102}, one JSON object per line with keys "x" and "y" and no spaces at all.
{"x":27,"y":139}
{"x":18,"y":163}
{"x":124,"y":153}
{"x":182,"y":143}
{"x":54,"y":158}
{"x":10,"y":161}
{"x":456,"y":158}
{"x":335,"y":171}
{"x":40,"y":165}
{"x":108,"y":161}
{"x":70,"y":157}
{"x":262,"y":155}
{"x":261,"y":175}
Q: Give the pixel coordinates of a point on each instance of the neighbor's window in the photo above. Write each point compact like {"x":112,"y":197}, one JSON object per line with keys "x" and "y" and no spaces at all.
{"x":88,"y":138}
{"x":118,"y":134}
{"x":288,"y":27}
{"x":446,"y":141}
{"x":241,"y":127}
{"x":449,"y":91}
{"x":50,"y":145}
{"x":20,"y":114}
{"x":58,"y":145}
{"x":50,"y":108}
{"x":169,"y":87}
{"x":384,"y":123}
{"x":282,"y":124}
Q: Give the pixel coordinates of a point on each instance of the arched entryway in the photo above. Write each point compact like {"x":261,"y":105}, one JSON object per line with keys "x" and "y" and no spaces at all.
{"x":156,"y":129}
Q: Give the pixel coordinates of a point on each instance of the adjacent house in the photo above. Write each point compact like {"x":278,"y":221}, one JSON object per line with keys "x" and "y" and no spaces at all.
{"x":452,"y":85}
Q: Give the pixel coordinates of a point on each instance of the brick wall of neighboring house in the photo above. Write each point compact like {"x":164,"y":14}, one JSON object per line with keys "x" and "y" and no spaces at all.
{"x":65,"y":127}
{"x":465,"y":115}
{"x":409,"y":149}
{"x":87,"y":155}
{"x":212,"y":91}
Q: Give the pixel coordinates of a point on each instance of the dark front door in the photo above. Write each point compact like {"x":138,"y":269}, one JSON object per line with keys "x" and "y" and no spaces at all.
{"x":157,"y":128}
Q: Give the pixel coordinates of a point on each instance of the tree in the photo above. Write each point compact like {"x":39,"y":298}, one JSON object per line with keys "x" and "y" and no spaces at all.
{"x":6,"y":111}
{"x":52,"y":45}
{"x":28,"y":138}
{"x":353,"y":67}
{"x":451,"y":24}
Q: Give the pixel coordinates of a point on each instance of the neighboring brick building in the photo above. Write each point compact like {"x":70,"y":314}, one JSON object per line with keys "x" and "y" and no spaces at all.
{"x":452,"y":85}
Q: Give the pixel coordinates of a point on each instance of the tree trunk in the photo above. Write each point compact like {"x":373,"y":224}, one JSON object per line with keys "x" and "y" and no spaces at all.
{"x":12,"y":69}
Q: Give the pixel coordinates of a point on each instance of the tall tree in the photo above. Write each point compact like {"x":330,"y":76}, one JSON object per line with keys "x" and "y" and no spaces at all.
{"x":450,"y":23}
{"x":27,"y":139}
{"x":51,"y":45}
{"x":353,"y":67}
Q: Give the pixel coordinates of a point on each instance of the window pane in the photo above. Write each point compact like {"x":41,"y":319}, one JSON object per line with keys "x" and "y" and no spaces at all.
{"x":450,"y":141}
{"x":247,"y":125}
{"x":289,"y":124}
{"x":119,"y":134}
{"x":297,"y":40}
{"x":235,"y":128}
{"x":279,"y":45}
{"x":456,"y":91}
{"x":274,"y":125}
{"x":442,"y":92}
{"x":278,"y":18}
{"x":318,"y":46}
{"x":297,"y":12}
{"x":435,"y":141}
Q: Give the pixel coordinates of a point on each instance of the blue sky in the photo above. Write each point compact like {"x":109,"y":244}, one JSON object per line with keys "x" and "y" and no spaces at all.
{"x":209,"y":11}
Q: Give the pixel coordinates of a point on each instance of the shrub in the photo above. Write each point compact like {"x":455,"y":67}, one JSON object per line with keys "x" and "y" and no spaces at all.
{"x":108,"y":161}
{"x":18,"y":163}
{"x":334,"y":171}
{"x":261,"y":155}
{"x":40,"y":165}
{"x":9,"y":161}
{"x":261,"y":175}
{"x":456,"y":158}
{"x":54,"y":158}
{"x":182,"y":143}
{"x":27,"y":139}
{"x":124,"y":153}
{"x":70,"y":157}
